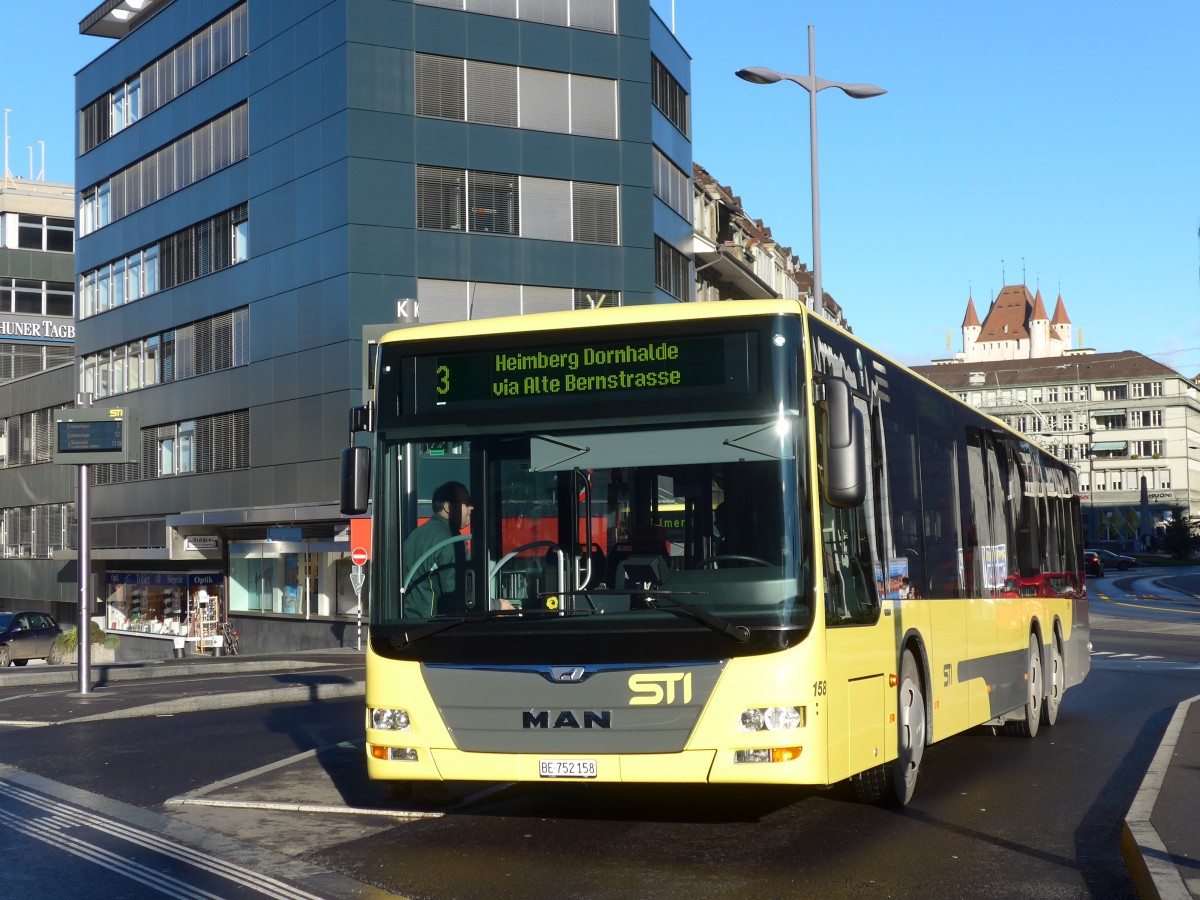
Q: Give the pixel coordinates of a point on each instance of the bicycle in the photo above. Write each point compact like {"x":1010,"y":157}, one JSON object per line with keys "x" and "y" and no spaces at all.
{"x":232,"y":645}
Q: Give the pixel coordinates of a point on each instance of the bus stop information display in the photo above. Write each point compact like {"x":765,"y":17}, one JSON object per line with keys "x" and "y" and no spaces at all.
{"x":90,"y":436}
{"x":722,"y":363}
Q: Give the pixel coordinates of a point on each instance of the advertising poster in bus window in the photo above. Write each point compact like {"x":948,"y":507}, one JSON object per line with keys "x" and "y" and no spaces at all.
{"x":995,"y":566}
{"x":897,"y":586}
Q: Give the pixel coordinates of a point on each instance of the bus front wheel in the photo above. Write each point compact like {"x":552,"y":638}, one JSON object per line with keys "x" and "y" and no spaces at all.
{"x":893,"y":783}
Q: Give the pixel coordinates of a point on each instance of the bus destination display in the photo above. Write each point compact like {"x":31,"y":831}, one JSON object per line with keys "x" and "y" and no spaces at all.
{"x":720,"y":363}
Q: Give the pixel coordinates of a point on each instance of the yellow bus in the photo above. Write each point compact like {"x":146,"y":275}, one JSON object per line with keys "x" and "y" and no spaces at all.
{"x":707,"y":543}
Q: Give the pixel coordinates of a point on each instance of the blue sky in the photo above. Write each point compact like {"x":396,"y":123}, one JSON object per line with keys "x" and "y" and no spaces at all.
{"x":1059,"y":140}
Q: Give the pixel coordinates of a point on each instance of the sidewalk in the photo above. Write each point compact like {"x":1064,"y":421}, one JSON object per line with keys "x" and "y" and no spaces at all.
{"x":49,"y":695}
{"x":1160,"y":842}
{"x":1161,"y":838}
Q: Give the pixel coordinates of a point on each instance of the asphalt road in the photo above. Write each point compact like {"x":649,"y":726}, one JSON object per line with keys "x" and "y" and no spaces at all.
{"x":994,"y":816}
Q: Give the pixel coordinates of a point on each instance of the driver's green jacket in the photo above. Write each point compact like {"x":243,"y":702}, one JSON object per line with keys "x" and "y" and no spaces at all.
{"x":432,"y":587}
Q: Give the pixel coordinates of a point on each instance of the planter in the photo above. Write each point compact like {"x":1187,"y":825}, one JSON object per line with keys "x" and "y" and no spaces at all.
{"x":99,"y":654}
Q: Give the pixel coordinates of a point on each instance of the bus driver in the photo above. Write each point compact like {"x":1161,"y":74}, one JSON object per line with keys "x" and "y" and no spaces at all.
{"x":434,"y":584}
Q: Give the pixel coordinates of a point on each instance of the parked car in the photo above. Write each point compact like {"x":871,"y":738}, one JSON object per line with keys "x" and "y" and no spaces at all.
{"x":1114,"y":560}
{"x":25,"y":636}
{"x":1093,"y":565}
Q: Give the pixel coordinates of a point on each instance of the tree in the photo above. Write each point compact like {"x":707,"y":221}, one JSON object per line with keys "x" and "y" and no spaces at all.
{"x":1182,"y":537}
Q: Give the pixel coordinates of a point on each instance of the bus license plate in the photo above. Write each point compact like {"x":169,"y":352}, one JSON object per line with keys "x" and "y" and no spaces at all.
{"x":568,"y":768}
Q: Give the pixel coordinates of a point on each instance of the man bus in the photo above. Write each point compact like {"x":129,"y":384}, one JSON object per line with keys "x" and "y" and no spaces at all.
{"x":838,"y":588}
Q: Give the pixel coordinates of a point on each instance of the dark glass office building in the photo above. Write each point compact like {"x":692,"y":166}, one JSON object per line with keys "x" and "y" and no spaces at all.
{"x":263,"y":182}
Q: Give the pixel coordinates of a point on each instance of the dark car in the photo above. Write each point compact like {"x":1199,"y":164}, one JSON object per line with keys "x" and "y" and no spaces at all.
{"x":25,"y":636}
{"x":1114,"y":560}
{"x":1093,"y":565}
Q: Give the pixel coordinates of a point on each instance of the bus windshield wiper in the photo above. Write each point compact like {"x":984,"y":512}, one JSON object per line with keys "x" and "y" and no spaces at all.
{"x":737,"y":633}
{"x":417,"y":634}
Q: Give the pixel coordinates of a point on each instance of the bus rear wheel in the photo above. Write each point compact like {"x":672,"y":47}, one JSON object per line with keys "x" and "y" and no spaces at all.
{"x":893,"y":784}
{"x":1027,"y":725}
{"x":1054,"y":683}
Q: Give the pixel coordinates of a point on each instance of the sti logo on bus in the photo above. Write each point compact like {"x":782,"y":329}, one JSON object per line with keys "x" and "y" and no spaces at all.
{"x":651,"y":690}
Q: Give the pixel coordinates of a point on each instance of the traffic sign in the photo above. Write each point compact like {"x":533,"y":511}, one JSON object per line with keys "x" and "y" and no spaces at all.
{"x":359,"y":556}
{"x":356,"y":580}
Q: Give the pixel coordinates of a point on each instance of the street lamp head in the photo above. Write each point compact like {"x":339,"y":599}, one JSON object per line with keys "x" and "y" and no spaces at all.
{"x":861,"y":91}
{"x":759,"y":75}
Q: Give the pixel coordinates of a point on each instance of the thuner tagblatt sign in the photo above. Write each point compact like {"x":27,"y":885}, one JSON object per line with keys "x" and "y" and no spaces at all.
{"x":92,"y":436}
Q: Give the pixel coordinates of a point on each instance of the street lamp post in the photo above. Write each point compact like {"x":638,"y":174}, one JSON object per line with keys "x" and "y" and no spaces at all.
{"x":812,"y":84}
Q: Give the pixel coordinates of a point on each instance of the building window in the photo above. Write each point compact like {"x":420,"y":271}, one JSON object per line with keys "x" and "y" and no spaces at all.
{"x":37,"y":298}
{"x":214,"y":146}
{"x":207,"y":345}
{"x":595,"y":215}
{"x":192,"y":253}
{"x":672,"y":270}
{"x":441,"y":198}
{"x":541,"y":208}
{"x":211,"y":444}
{"x":217,"y":45}
{"x":591,"y":15}
{"x":494,"y":203}
{"x":455,"y":301}
{"x":515,"y":97}
{"x":46,"y":233}
{"x":595,"y":298}
{"x":668,"y":95}
{"x":672,"y":185}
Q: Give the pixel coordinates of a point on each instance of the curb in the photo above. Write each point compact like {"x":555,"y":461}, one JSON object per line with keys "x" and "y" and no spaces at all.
{"x":299,"y":693}
{"x":109,"y":672}
{"x":1145,"y":854}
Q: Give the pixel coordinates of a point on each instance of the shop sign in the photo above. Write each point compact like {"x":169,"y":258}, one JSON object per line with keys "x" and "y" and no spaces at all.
{"x":166,"y":579}
{"x":202,"y":542}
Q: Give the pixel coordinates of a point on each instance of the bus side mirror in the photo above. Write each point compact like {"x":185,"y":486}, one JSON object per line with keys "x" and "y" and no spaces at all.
{"x":845,"y":454}
{"x":356,"y":480}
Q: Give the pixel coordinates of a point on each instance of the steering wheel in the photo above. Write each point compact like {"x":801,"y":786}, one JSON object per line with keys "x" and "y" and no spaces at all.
{"x":532,"y":545}
{"x":733,"y":557}
{"x":416,"y":567}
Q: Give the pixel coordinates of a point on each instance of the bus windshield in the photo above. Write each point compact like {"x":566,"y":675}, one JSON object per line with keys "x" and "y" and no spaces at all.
{"x":690,"y":527}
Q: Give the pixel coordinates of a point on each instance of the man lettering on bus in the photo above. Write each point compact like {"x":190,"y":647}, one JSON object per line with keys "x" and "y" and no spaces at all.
{"x":434,"y":559}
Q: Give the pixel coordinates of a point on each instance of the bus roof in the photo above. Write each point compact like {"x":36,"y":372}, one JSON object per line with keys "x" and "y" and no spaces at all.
{"x":589,"y":318}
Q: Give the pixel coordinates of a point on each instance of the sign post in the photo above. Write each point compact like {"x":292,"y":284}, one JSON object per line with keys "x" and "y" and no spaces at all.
{"x":83,"y":436}
{"x":360,"y":555}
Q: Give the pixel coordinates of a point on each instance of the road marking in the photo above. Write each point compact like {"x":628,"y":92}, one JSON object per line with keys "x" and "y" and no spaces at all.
{"x":1144,"y":605}
{"x":49,"y":829}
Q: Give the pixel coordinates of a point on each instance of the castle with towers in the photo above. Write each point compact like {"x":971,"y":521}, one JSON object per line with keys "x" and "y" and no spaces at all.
{"x":1016,"y":327}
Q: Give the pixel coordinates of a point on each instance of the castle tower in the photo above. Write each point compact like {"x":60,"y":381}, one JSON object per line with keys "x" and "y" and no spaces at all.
{"x":1039,"y":328}
{"x":970,"y":327}
{"x":1060,"y":324}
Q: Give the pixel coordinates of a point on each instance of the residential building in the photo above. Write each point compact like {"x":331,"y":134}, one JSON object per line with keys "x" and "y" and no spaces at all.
{"x":263,"y":182}
{"x":737,"y":258}
{"x":1128,"y":424}
{"x":37,"y":375}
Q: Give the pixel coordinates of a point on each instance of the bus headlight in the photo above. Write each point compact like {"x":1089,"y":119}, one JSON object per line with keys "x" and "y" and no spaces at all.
{"x":391,"y":720}
{"x":773,"y":718}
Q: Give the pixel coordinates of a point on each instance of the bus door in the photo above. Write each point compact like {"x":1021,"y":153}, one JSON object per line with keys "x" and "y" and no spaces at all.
{"x":860,"y":643}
